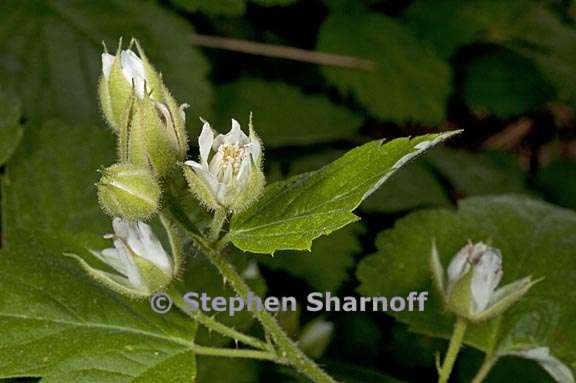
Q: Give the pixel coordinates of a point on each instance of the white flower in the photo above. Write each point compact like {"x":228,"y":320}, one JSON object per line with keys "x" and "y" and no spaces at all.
{"x":141,"y":264}
{"x":229,"y":167}
{"x":470,"y":286}
{"x":132,"y":68}
{"x":486,"y":263}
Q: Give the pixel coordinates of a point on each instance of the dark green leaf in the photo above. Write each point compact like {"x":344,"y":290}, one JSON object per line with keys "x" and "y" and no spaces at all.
{"x":409,"y":81}
{"x":535,"y":238}
{"x":558,"y":182}
{"x":49,"y":182}
{"x":51,"y":53}
{"x":326,"y":267}
{"x":505,"y":84}
{"x":483,"y":173}
{"x":49,"y":329}
{"x":282,"y":114}
{"x":451,"y":24}
{"x":10,"y":128}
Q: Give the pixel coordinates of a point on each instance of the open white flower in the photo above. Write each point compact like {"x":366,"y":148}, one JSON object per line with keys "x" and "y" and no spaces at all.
{"x":470,"y":287}
{"x":132,"y":68}
{"x":141,"y":264}
{"x":229,"y":173}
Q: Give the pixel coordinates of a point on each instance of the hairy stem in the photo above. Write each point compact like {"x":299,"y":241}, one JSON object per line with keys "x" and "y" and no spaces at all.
{"x":214,"y":325}
{"x":453,"y":349}
{"x":233,"y":353}
{"x":217,"y":224}
{"x":178,"y":297}
{"x":489,"y":362}
{"x":288,"y":350}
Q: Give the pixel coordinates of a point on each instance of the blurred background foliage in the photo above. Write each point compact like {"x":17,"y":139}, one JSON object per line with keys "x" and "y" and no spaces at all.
{"x":504,"y":71}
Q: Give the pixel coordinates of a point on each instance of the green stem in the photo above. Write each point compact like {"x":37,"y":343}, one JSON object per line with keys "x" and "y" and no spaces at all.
{"x":233,"y":353}
{"x":286,"y":347}
{"x":214,"y":325}
{"x":453,"y":349}
{"x":217,"y":224}
{"x":177,"y":297}
{"x":489,"y":362}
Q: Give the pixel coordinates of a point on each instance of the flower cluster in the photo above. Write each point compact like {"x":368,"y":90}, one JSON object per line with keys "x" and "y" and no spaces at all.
{"x":152,"y":143}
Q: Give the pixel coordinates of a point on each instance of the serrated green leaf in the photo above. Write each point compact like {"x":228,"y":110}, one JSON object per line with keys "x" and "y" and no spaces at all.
{"x":282,"y":114}
{"x":535,"y":238}
{"x":51,"y":53}
{"x":48,"y":329}
{"x":409,"y":81}
{"x":541,"y":36}
{"x":505,"y":84}
{"x":451,"y":24}
{"x":326,"y":267}
{"x":292,"y":213}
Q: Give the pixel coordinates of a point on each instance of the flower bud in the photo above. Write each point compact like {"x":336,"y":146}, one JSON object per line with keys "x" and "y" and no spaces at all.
{"x":152,"y":137}
{"x":469,"y":289}
{"x":229,"y":173}
{"x":129,"y":191}
{"x":141,"y":265}
{"x":135,"y":102}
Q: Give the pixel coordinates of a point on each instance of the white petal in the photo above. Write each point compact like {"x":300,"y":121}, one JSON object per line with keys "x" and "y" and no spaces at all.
{"x":487,"y":276}
{"x":152,"y":249}
{"x":459,"y":264}
{"x":193,"y":164}
{"x":554,"y":366}
{"x":244,"y":171}
{"x":134,"y":71}
{"x":205,"y":141}
{"x":120,"y":227}
{"x":112,"y":258}
{"x":209,"y":179}
{"x":107,"y":61}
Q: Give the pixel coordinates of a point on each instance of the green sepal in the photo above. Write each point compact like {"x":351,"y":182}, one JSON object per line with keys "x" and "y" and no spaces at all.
{"x":129,"y":191}
{"x":111,"y":281}
{"x":106,"y":103}
{"x":459,"y":298}
{"x":158,"y":92}
{"x":119,"y":90}
{"x":505,"y":297}
{"x":201,"y":190}
{"x":438,"y":276}
{"x":154,"y":278}
{"x":251,"y":191}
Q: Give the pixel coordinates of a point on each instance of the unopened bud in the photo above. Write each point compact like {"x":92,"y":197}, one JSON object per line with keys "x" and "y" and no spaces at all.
{"x":135,"y":102}
{"x":470,"y":287}
{"x":129,"y":191}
